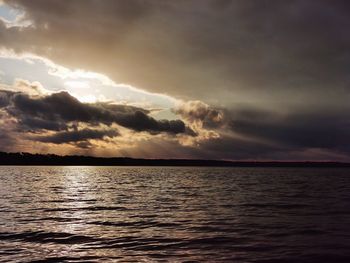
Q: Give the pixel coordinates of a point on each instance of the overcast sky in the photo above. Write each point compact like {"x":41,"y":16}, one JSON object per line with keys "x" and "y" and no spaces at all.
{"x":218,"y":79}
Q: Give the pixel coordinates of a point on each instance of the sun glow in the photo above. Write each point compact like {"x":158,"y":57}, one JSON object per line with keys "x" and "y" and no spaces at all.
{"x":77,"y":84}
{"x":87,"y":98}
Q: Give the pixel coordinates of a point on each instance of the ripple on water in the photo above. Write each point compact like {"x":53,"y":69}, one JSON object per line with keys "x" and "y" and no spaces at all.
{"x":128,"y":214}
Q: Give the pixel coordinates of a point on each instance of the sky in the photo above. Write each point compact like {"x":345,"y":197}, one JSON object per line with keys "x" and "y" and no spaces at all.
{"x":204,"y":79}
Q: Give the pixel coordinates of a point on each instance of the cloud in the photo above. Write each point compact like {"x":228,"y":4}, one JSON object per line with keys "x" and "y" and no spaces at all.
{"x":261,"y":134}
{"x":54,"y":111}
{"x":36,"y":121}
{"x":200,"y":114}
{"x":5,"y":96}
{"x":7,"y":140}
{"x":31,"y":121}
{"x":203,"y":119}
{"x":259,"y":79}
{"x":327,"y":130}
{"x":266,"y":53}
{"x":34,"y":88}
{"x":203,"y":132}
{"x":77,"y":136}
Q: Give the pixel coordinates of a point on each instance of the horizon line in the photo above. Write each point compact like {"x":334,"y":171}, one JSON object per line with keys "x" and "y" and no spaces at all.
{"x":17,"y":158}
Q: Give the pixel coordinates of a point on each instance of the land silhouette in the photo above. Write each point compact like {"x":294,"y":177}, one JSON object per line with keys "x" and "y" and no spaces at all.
{"x":52,"y":159}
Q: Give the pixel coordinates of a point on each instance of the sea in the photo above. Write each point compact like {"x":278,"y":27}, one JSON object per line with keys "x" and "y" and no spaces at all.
{"x":174,"y":214}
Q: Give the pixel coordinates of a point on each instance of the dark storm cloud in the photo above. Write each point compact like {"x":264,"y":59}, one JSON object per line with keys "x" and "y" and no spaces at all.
{"x":264,"y":134}
{"x":229,"y":147}
{"x":245,"y":133}
{"x":53,"y":112}
{"x":77,"y":136}
{"x":5,"y":97}
{"x":61,"y":107}
{"x":329,"y":130}
{"x":258,"y":133}
{"x":38,"y":123}
{"x":285,"y":61}
{"x":258,"y":51}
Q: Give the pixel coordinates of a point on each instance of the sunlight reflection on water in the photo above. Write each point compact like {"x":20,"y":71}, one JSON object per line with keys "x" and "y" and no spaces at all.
{"x":101,"y":214}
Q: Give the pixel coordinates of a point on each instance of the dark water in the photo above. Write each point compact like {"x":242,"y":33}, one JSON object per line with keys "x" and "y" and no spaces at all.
{"x":128,"y":214}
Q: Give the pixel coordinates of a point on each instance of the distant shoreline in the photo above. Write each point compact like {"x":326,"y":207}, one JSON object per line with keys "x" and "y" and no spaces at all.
{"x":27,"y":159}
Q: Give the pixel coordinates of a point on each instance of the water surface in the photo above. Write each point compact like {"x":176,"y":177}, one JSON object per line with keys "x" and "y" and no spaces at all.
{"x":174,"y":214}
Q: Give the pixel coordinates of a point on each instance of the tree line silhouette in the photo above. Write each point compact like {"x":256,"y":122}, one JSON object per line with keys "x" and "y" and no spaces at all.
{"x":52,"y":159}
